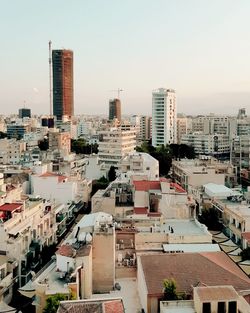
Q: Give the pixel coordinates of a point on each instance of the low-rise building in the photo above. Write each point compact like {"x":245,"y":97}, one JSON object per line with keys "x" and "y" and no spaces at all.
{"x":139,"y":164}
{"x":187,"y":269}
{"x":84,"y":264}
{"x":216,"y":145}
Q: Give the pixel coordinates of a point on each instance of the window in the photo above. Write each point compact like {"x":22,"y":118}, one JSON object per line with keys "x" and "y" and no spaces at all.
{"x":221,"y":307}
{"x":206,"y":307}
{"x":232,"y":307}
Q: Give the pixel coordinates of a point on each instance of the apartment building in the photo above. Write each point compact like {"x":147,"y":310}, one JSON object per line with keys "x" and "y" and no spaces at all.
{"x":11,"y":151}
{"x":193,"y":174}
{"x":139,"y":163}
{"x":215,"y":145}
{"x":114,"y":144}
{"x":60,"y":141}
{"x":79,"y":267}
{"x":145,"y":128}
{"x":164,"y":117}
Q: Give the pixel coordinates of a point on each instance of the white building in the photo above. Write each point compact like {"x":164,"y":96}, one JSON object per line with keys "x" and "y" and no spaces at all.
{"x":11,"y":151}
{"x":60,"y":188}
{"x":164,"y":117}
{"x":139,"y":164}
{"x":216,"y":145}
{"x":114,"y":144}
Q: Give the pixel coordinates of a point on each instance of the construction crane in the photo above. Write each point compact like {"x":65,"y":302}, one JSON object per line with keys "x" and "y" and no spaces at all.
{"x":50,"y":80}
{"x":118,"y":92}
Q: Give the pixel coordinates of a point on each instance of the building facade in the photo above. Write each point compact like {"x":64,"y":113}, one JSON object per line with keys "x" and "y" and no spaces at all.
{"x":164,"y":117}
{"x":115,"y":109}
{"x":63,"y":99}
{"x":114,"y":144}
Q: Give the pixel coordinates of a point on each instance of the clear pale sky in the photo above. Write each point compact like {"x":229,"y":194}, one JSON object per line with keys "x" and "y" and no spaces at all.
{"x":201,"y":48}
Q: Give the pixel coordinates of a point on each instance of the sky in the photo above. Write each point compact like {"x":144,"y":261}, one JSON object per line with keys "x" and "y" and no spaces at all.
{"x":200,"y":48}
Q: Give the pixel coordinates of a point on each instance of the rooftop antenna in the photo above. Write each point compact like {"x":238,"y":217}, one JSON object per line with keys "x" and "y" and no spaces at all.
{"x":50,"y":80}
{"x":24,"y":104}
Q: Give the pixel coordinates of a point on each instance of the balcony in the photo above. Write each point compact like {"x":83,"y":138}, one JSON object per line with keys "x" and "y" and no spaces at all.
{"x":6,"y":281}
{"x":60,"y":217}
{"x":61,"y":231}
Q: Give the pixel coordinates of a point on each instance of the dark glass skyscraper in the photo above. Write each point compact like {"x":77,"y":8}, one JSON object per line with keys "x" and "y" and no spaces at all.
{"x":115,"y":109}
{"x":63,"y":98}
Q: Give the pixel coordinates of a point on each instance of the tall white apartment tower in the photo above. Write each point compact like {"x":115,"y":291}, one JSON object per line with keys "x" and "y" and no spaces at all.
{"x":164,"y":117}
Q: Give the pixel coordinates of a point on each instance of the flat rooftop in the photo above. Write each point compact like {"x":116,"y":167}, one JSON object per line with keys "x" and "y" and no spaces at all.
{"x":52,"y":278}
{"x":183,"y":227}
{"x":183,"y":306}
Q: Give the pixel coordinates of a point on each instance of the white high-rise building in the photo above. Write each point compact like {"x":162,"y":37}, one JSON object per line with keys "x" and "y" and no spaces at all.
{"x":164,"y":117}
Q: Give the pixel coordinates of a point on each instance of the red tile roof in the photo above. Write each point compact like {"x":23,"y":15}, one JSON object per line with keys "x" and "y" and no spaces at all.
{"x":216,"y":293}
{"x":92,"y":306}
{"x":146,"y":185}
{"x":177,"y":188}
{"x":246,"y":236}
{"x":49,"y":174}
{"x":114,"y":306}
{"x":10,"y":206}
{"x":66,"y":250}
{"x":188,"y":269}
{"x":154,"y":214}
{"x":140,"y":210}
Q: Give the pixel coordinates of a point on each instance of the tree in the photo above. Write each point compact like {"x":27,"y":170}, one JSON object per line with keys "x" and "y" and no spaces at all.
{"x":101,"y":183}
{"x":80,"y":146}
{"x":52,"y":302}
{"x":245,"y":254}
{"x":111,"y":174}
{"x":210,"y":217}
{"x":44,"y":144}
{"x":169,"y":289}
{"x":3,"y":135}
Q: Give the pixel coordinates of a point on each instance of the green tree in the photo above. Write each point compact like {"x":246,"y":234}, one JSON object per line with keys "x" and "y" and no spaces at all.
{"x":80,"y":146}
{"x":245,"y":254}
{"x":44,"y":144}
{"x":52,"y":302}
{"x":111,"y":174}
{"x":3,"y":135}
{"x":210,"y":217}
{"x":169,"y":289}
{"x":101,"y":183}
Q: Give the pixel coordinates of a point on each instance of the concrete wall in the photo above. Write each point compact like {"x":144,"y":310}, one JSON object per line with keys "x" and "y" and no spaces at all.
{"x":141,"y":199}
{"x":103,"y":261}
{"x":141,"y":238}
{"x":142,"y":287}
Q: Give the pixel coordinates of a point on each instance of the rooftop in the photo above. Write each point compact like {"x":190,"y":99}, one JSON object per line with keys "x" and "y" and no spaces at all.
{"x":183,"y":227}
{"x":92,"y":305}
{"x":191,"y":247}
{"x":52,"y":278}
{"x":10,"y":207}
{"x":191,"y":269}
{"x":216,"y":293}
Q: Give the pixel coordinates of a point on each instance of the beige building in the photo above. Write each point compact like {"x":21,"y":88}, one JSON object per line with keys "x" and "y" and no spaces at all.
{"x":187,"y":269}
{"x":214,"y":299}
{"x":78,"y":267}
{"x":114,"y":144}
{"x":182,"y":128}
{"x":60,"y":141}
{"x":139,"y":164}
{"x":11,"y":151}
{"x":192,"y":174}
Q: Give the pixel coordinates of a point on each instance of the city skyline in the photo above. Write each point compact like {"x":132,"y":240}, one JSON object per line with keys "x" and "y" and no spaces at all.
{"x":198,"y":49}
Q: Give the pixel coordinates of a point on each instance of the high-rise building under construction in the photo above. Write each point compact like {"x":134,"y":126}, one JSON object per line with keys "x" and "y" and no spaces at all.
{"x":63,"y":98}
{"x":115,"y":109}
